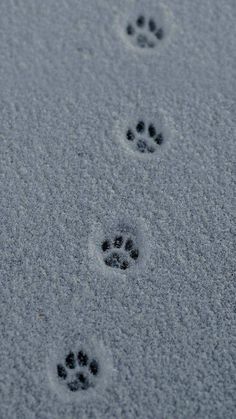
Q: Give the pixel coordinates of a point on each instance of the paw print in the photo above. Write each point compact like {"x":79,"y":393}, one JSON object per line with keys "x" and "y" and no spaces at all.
{"x":144,"y":32}
{"x":120,"y":252}
{"x":78,"y":372}
{"x":145,"y":139}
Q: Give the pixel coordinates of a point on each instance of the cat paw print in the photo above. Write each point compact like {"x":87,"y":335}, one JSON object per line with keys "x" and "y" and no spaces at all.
{"x":144,"y":138}
{"x":145,"y":32}
{"x":119,"y":245}
{"x":78,"y":369}
{"x":120,"y":252}
{"x":78,"y":372}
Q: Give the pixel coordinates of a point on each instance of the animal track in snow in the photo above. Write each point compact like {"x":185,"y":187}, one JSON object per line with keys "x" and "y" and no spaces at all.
{"x":120,"y":252}
{"x":78,"y":372}
{"x":144,"y":138}
{"x":79,"y":369}
{"x":145,"y":32}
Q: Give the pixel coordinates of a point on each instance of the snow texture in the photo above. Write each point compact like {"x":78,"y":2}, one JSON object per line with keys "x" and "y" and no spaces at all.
{"x":73,"y":81}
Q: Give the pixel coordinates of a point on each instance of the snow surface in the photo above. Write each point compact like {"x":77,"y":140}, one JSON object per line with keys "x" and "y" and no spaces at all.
{"x":72,"y":81}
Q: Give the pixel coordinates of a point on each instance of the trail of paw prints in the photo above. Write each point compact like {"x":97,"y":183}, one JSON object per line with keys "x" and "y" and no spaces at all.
{"x":120,"y":252}
{"x":145,"y":32}
{"x":78,"y":372}
{"x":144,"y":138}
